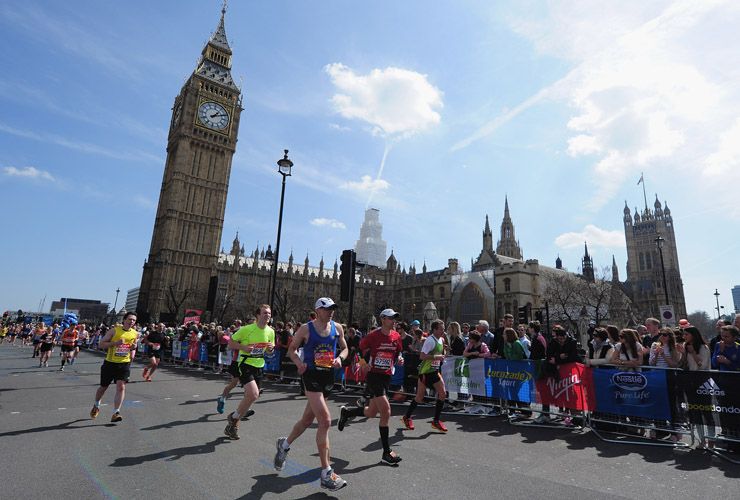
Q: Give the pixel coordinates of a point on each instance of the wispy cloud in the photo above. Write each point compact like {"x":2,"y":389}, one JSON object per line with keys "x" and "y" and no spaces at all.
{"x":28,"y":173}
{"x":332,"y":223}
{"x":131,"y":155}
{"x":594,"y":236}
{"x":648,"y":89}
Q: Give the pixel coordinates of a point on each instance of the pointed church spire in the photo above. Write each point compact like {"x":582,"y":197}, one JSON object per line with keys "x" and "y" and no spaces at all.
{"x":615,"y":270}
{"x":508,"y":245}
{"x":487,"y":229}
{"x":587,"y":268}
{"x":506,"y":207}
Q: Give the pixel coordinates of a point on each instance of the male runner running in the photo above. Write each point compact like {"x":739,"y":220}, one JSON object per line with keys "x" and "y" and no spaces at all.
{"x":381,"y":350}
{"x":321,"y":337}
{"x":119,"y":341}
{"x":431,"y":355}
{"x":154,"y":339}
{"x":46,"y":344}
{"x":69,"y":337}
{"x":233,"y":370}
{"x":253,"y":341}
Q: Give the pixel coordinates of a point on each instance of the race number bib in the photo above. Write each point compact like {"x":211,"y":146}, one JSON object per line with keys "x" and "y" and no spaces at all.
{"x":383,"y":360}
{"x":122,"y":350}
{"x":323,"y":358}
{"x":155,"y":347}
{"x":435,"y":363}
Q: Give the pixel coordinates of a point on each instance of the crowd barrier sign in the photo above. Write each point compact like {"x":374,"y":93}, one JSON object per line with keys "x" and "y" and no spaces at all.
{"x":203,"y":358}
{"x":510,"y":380}
{"x":176,"y":349}
{"x":633,"y":394}
{"x":467,"y":376}
{"x":272,"y":362}
{"x":710,"y":394}
{"x":573,"y":388}
{"x":184,"y":350}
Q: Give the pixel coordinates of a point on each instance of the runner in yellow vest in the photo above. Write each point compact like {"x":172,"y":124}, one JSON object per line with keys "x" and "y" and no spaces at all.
{"x":253,"y":342}
{"x":119,"y":342}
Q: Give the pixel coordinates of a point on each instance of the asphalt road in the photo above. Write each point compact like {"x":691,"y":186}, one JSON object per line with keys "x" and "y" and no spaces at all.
{"x":171,"y":444}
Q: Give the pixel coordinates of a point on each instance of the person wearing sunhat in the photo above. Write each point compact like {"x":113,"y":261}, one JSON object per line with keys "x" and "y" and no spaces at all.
{"x":381,"y":350}
{"x":324,"y":349}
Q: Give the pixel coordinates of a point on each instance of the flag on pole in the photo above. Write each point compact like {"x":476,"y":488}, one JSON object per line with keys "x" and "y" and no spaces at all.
{"x":641,"y":180}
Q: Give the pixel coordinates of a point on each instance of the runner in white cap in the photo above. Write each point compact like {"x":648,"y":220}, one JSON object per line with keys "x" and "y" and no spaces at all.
{"x":382,"y":349}
{"x":321,"y":340}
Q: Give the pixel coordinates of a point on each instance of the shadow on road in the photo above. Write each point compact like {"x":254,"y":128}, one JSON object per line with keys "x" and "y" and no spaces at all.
{"x":178,"y":423}
{"x":169,"y":455}
{"x":58,"y":427}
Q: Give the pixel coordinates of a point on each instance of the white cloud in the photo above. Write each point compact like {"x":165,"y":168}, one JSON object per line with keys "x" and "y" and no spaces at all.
{"x":332,"y":223}
{"x":29,"y":173}
{"x":594,"y":236}
{"x":396,"y":102}
{"x":144,"y":202}
{"x":366,"y":185}
{"x":583,"y":145}
{"x":340,"y":128}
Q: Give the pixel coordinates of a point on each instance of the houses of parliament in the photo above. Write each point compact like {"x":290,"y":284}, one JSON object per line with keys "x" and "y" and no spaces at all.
{"x":186,"y":269}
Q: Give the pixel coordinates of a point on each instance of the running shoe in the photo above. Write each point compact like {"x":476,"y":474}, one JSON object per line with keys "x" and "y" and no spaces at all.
{"x":332,"y":482}
{"x":390,"y":458}
{"x":542,"y":419}
{"x":408,"y":422}
{"x":231,"y":430}
{"x":220,"y":404}
{"x":116,"y":417}
{"x":145,"y":373}
{"x":281,"y":454}
{"x":94,"y":412}
{"x":248,"y":414}
{"x":61,"y":369}
{"x":343,"y":417}
{"x":568,"y":422}
{"x":439,"y":425}
{"x":361,"y":402}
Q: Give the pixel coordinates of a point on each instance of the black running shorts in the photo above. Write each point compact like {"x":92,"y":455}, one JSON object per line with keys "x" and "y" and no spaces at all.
{"x":68,"y":348}
{"x":429,"y":379}
{"x":248,"y":373}
{"x":113,"y":372}
{"x":46,"y":347}
{"x":378,"y":384}
{"x":318,"y":381}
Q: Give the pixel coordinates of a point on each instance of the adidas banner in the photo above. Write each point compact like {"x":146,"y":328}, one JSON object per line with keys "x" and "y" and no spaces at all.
{"x":711,"y":393}
{"x":465,"y":375}
{"x":634,"y":394}
{"x":511,"y":380}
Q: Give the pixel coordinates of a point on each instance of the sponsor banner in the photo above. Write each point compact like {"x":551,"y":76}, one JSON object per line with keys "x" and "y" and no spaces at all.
{"x":466,"y":375}
{"x":711,"y":393}
{"x":573,"y":388}
{"x":511,"y":380}
{"x":398,"y":375}
{"x":176,"y":349}
{"x":635,"y":394}
{"x":184,"y":349}
{"x":272,"y":362}
{"x":192,"y":315}
{"x":203,"y":352}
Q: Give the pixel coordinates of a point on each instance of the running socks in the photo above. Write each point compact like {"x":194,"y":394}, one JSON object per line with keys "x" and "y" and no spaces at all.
{"x":285,"y":445}
{"x":411,"y":408}
{"x":236,"y":415}
{"x":438,"y":409}
{"x":97,"y":404}
{"x":384,"y":438}
{"x":325,"y":472}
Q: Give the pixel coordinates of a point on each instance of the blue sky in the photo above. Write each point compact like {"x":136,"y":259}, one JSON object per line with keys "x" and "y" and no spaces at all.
{"x":559,"y":105}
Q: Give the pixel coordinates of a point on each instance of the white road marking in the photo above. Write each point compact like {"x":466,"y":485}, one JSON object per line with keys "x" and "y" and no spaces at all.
{"x":167,"y":399}
{"x":61,"y":408}
{"x":15,"y":413}
{"x":196,"y":395}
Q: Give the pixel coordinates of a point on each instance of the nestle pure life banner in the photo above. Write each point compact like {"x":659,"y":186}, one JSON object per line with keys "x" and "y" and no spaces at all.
{"x":465,"y":375}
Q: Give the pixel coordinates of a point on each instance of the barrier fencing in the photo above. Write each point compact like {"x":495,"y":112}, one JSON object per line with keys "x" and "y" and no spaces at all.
{"x":617,"y":405}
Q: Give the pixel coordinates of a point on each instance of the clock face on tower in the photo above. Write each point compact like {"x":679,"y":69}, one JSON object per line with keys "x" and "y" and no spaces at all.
{"x":213,"y":115}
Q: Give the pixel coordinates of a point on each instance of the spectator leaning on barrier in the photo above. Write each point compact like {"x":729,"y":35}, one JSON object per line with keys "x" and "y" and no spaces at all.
{"x":601,"y":348}
{"x":538,"y":345}
{"x":486,"y":336}
{"x":500,"y":338}
{"x":628,"y":352}
{"x":522,"y":338}
{"x":726,"y":355}
{"x":513,"y":349}
{"x":465,"y":332}
{"x":457,"y":345}
{"x":664,"y":352}
{"x":714,"y":340}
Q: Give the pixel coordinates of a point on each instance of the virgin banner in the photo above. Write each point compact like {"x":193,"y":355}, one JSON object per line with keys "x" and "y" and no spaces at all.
{"x":573,"y":388}
{"x":635,"y":394}
{"x":711,"y":393}
{"x":465,"y":375}
{"x":510,"y":380}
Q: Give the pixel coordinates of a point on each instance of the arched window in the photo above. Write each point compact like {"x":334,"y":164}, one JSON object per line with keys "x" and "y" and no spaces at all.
{"x":507,"y":284}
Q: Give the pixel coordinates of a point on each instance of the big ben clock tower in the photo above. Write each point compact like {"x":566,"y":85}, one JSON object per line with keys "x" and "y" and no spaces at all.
{"x":192,"y":200}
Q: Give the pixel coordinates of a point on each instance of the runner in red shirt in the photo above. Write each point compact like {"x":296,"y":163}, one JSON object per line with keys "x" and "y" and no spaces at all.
{"x":69,"y":337}
{"x":382,"y":349}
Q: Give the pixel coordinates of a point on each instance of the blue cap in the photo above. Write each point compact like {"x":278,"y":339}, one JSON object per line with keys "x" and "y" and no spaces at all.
{"x":415,"y":323}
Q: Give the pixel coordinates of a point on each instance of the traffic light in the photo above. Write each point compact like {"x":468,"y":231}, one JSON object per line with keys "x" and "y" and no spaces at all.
{"x":347,"y":278}
{"x":523,"y":320}
{"x":538,"y":316}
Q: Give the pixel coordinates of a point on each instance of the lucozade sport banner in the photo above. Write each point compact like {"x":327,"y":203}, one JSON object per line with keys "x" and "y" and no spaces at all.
{"x":511,"y":380}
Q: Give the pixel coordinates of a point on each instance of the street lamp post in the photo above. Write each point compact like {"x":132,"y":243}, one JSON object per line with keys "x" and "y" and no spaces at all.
{"x":659,"y":241}
{"x":284,"y":166}
{"x":716,"y":296}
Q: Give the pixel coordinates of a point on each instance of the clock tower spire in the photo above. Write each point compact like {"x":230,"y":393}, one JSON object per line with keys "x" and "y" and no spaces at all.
{"x":192,"y":200}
